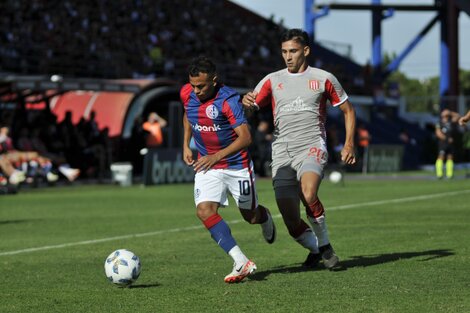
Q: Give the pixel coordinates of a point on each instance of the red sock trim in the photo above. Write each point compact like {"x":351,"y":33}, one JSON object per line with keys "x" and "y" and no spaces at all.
{"x":316,"y":209}
{"x":212,"y":220}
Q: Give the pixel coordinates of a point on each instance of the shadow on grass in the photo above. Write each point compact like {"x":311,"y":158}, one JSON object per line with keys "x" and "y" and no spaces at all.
{"x":151,"y":285}
{"x":369,"y":260}
{"x":358,"y":261}
{"x":13,"y":222}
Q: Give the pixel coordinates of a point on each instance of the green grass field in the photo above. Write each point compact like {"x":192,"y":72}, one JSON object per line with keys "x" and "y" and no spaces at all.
{"x":404,"y":246}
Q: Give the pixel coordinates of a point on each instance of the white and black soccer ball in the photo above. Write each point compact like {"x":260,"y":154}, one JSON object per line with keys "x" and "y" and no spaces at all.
{"x":122,"y":267}
{"x":335,"y":177}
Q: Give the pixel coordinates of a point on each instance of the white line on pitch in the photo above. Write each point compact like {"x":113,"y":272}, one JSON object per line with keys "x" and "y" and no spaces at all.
{"x":176,"y":230}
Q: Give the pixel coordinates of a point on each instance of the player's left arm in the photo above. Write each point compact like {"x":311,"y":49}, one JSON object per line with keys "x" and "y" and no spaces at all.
{"x":464,"y":119}
{"x":347,"y":153}
{"x":243,"y":141}
{"x":454,"y":116}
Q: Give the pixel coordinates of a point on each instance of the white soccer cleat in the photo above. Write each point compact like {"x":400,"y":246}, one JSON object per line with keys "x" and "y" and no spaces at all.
{"x":51,"y":177}
{"x":17,"y":177}
{"x":238,"y":274}
{"x":70,"y":173}
{"x":269,"y":229}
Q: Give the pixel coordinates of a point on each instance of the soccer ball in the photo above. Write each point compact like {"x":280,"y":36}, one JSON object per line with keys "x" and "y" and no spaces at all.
{"x":335,"y":177}
{"x":122,"y":267}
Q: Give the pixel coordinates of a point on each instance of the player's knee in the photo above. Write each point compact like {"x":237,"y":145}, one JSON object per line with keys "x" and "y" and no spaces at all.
{"x":310,"y":195}
{"x":249,"y":216}
{"x":286,"y":192}
{"x":204,"y":212}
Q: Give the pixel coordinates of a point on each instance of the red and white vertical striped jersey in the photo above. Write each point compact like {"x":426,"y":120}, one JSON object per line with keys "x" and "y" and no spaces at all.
{"x":299,"y":102}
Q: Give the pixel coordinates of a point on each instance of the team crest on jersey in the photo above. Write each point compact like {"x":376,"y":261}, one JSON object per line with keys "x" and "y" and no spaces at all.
{"x":212,"y":112}
{"x":314,"y":84}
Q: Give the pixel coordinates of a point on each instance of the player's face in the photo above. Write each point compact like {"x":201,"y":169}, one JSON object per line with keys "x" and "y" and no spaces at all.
{"x":203,"y":85}
{"x":295,"y":55}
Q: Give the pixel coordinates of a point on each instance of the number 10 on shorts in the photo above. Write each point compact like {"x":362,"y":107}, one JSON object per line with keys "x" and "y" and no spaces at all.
{"x":244,"y":186}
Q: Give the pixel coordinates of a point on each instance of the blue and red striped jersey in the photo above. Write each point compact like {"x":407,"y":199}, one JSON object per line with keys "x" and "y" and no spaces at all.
{"x":213,"y":123}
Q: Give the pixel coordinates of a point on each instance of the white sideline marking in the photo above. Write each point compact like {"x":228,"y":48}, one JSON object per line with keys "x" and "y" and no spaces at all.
{"x":177,"y":230}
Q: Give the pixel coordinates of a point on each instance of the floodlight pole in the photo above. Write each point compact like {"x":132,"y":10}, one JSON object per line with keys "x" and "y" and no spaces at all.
{"x":311,"y":15}
{"x":394,"y":65}
{"x":449,"y":80}
{"x":448,"y":14}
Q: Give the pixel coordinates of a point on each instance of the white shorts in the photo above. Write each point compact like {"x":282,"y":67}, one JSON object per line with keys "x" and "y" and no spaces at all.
{"x":213,"y":186}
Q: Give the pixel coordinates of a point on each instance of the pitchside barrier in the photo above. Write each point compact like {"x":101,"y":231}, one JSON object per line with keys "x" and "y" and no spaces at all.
{"x":166,"y":166}
{"x":384,"y":158}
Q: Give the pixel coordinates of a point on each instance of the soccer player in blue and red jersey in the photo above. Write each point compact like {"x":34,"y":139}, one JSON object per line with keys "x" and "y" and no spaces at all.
{"x":214,"y":117}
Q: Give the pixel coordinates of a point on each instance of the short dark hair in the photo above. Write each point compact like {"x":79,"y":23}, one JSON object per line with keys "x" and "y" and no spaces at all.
{"x":201,"y":65}
{"x":296,"y":34}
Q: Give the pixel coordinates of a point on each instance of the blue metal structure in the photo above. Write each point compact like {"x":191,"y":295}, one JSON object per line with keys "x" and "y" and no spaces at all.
{"x":447,"y":12}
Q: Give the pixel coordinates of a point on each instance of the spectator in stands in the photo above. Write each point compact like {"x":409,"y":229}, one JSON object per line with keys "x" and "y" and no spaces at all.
{"x":95,"y":151}
{"x":72,"y":138}
{"x":16,"y":164}
{"x":262,"y":140}
{"x":445,"y":133}
{"x":363,"y":140}
{"x":153,"y":127}
{"x":85,"y":40}
{"x":6,"y":167}
{"x":405,"y":137}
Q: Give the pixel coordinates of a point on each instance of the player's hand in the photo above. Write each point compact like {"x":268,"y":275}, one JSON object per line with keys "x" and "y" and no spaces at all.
{"x":188,"y":156}
{"x":347,"y":155}
{"x":462,"y":121}
{"x":206,"y":163}
{"x":249,"y":99}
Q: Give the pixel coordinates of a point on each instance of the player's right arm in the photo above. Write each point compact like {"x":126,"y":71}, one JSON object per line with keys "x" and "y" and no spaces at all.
{"x":259,"y":97}
{"x":249,"y":99}
{"x":439,"y":134}
{"x":187,"y":152}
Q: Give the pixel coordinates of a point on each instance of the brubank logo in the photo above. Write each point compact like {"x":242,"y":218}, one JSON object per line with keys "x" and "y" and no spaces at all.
{"x":213,"y":128}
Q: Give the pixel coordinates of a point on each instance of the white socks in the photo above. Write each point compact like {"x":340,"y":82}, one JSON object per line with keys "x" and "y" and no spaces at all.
{"x":237,"y":255}
{"x":308,"y":240}
{"x":320,"y":229}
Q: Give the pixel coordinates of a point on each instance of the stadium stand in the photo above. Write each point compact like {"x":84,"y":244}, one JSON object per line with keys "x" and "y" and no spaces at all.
{"x":143,"y":39}
{"x":76,"y":41}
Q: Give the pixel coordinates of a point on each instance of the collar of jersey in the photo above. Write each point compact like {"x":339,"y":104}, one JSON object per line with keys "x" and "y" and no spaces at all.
{"x":299,"y":74}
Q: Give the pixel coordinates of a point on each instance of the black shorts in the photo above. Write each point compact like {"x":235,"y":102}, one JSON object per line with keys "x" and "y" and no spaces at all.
{"x":445,"y":148}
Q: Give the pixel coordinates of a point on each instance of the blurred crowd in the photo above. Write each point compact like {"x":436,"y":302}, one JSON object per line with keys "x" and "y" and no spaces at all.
{"x":116,"y":39}
{"x":35,"y":147}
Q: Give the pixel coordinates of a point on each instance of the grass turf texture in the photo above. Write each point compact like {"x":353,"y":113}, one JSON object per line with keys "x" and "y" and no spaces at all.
{"x":410,"y":255}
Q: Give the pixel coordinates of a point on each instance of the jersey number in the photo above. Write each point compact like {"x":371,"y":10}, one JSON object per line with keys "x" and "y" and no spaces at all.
{"x":244,"y":186}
